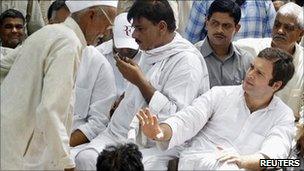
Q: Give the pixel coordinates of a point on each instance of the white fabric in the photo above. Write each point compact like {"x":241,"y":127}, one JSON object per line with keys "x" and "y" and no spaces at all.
{"x":292,"y":92}
{"x":95,"y":93}
{"x":122,"y":32}
{"x":76,"y":5}
{"x":221,"y":117}
{"x":106,"y":49}
{"x":178,"y":72}
{"x":37,"y":99}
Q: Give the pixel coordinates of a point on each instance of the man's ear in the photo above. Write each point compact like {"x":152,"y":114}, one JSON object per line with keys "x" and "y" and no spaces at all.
{"x":162,"y":26}
{"x":237,"y":28}
{"x":277,"y":85}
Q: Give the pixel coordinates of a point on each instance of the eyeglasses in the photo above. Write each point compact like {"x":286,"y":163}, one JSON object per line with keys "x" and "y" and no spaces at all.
{"x":108,"y":18}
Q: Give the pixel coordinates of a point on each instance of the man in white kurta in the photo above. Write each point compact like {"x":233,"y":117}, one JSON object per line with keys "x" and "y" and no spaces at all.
{"x":122,"y":40}
{"x":179,"y":76}
{"x":37,"y":94}
{"x":95,"y":93}
{"x":292,"y":15}
{"x":227,"y":123}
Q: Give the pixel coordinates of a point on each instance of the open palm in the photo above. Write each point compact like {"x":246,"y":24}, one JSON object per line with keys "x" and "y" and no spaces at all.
{"x":149,"y":124}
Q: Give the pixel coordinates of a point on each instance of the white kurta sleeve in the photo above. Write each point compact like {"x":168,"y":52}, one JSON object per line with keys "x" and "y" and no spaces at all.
{"x":182,"y":87}
{"x":186,"y":123}
{"x":6,"y":62}
{"x":278,"y":141}
{"x":102,"y":97}
{"x":54,"y":111}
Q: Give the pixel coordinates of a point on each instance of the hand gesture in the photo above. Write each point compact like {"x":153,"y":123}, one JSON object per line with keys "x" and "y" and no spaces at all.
{"x":149,"y":124}
{"x":129,"y":70}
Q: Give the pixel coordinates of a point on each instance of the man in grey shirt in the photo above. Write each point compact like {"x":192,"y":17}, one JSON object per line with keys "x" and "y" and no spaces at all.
{"x":227,"y":64}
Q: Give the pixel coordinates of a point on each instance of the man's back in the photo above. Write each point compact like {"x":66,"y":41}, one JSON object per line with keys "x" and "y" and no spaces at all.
{"x":43,"y":73}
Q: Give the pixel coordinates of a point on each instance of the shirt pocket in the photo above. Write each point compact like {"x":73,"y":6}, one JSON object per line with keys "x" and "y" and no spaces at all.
{"x":82,"y":102}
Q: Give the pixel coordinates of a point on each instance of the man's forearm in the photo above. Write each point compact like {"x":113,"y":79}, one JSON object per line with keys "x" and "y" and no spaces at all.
{"x":78,"y":138}
{"x":146,"y":89}
{"x":251,"y":162}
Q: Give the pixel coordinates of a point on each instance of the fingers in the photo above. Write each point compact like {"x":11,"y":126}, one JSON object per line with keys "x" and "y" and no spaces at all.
{"x":140,"y":118}
{"x":154,"y":120}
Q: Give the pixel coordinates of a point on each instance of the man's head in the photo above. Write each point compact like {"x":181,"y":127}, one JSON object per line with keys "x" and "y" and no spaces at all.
{"x":12,"y":31}
{"x":153,"y":21}
{"x":269,"y":72}
{"x":123,"y":157}
{"x":278,"y":3}
{"x":124,"y":44}
{"x":93,"y":17}
{"x":58,"y":12}
{"x":288,"y":27}
{"x":222,"y":22}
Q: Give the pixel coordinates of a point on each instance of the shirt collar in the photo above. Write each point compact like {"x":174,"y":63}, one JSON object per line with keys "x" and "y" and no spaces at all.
{"x":206,"y":49}
{"x":72,"y":24}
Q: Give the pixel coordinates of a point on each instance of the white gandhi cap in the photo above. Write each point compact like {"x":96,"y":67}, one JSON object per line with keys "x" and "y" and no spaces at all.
{"x":78,"y":5}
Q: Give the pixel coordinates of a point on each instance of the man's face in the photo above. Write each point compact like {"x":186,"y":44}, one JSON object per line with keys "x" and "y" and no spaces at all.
{"x":256,"y":82}
{"x":12,"y":32}
{"x":126,"y":52}
{"x":285,"y":32}
{"x":221,"y":28}
{"x":146,"y":34}
{"x":97,"y":24}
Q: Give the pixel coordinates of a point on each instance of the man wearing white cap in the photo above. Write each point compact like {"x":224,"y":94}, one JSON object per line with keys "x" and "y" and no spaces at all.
{"x":124,"y":45}
{"x":170,"y":74}
{"x":37,"y":93}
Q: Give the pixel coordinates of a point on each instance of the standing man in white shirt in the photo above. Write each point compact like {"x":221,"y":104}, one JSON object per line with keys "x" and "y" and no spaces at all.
{"x":37,"y":93}
{"x":171,"y":73}
{"x":288,"y":28}
{"x":95,"y":87}
{"x":233,"y":127}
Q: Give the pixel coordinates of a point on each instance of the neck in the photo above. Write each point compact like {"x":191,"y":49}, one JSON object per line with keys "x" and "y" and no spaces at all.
{"x":254,"y":103}
{"x":290,"y":49}
{"x":166,"y":39}
{"x":220,"y":50}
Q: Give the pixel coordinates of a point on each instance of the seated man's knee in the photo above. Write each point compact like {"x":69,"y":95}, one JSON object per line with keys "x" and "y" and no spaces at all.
{"x":86,"y":159}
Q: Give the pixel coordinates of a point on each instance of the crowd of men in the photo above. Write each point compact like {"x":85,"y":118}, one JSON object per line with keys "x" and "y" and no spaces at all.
{"x":104,"y":86}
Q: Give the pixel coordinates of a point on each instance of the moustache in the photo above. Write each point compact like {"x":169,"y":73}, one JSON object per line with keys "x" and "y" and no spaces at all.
{"x":218,"y":34}
{"x":277,"y":36}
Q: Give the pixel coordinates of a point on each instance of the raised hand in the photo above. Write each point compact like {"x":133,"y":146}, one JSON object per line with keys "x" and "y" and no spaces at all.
{"x":149,"y":124}
{"x":129,"y":70}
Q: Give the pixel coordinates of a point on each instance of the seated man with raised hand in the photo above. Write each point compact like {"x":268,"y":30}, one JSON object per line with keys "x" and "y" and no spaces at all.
{"x":288,"y":28}
{"x":170,"y":75}
{"x":227,"y":63}
{"x":232,"y":127}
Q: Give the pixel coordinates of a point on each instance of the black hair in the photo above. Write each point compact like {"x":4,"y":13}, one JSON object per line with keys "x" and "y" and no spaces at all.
{"x":120,"y":158}
{"x":11,"y":13}
{"x":283,"y":68}
{"x":55,"y":6}
{"x":154,"y":11}
{"x":225,"y":6}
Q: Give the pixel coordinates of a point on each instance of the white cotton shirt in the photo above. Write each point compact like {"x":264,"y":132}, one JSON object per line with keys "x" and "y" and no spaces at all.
{"x":95,"y":93}
{"x":106,"y":49}
{"x":37,"y":99}
{"x":292,"y":92}
{"x":179,"y":74}
{"x":221,"y":117}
